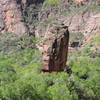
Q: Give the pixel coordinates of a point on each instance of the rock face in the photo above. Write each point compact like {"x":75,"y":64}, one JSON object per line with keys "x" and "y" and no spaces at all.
{"x":92,"y":28}
{"x":11,"y":18}
{"x":55,"y":48}
{"x":87,"y":23}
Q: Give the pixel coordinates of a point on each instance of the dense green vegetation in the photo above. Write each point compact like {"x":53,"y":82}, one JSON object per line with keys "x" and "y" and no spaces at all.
{"x":21,"y":78}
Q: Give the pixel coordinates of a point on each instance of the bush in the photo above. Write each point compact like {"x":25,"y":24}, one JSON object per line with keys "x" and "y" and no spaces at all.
{"x":52,"y":2}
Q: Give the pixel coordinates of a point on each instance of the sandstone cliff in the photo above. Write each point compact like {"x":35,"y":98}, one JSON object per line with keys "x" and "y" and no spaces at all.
{"x":82,"y":16}
{"x":54,"y":48}
{"x":33,"y":16}
{"x":11,"y":19}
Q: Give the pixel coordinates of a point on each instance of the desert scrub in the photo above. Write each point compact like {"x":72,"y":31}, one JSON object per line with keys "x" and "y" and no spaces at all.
{"x":47,"y":21}
{"x":55,"y":2}
{"x":88,"y":63}
{"x":10,"y":41}
{"x":76,"y":37}
{"x":96,"y":39}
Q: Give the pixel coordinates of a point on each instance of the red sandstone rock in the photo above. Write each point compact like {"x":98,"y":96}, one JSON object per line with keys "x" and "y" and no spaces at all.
{"x":54,"y":48}
{"x":11,"y":17}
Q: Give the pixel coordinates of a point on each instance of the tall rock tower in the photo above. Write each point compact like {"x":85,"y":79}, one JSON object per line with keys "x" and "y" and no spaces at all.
{"x":54,"y":48}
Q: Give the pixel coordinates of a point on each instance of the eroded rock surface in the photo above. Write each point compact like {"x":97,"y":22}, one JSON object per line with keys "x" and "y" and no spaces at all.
{"x":54,"y":48}
{"x":11,"y":18}
{"x":87,"y":23}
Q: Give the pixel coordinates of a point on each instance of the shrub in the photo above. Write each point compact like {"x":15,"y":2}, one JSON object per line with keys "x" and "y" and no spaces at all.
{"x":10,"y":41}
{"x":52,"y":2}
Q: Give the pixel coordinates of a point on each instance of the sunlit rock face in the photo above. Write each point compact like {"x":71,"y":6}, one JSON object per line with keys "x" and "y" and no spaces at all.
{"x":54,"y":48}
{"x":28,"y":2}
{"x":92,"y":27}
{"x":11,"y":17}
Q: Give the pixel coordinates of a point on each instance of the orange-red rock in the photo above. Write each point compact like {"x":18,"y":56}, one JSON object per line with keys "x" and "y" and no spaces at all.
{"x":12,"y":17}
{"x":54,"y":48}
